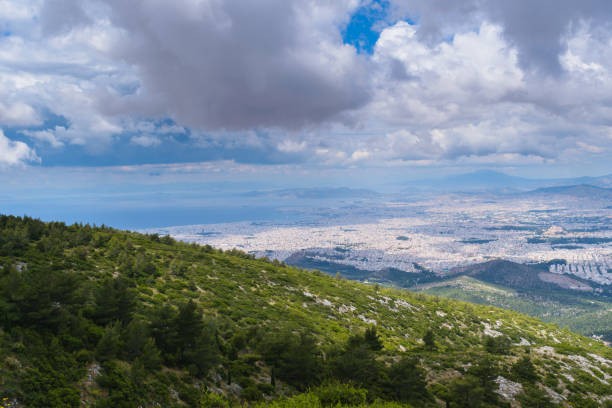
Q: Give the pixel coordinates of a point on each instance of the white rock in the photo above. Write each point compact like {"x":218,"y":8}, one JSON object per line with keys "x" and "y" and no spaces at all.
{"x":508,"y":389}
{"x":324,"y":302}
{"x":523,"y":342}
{"x":365,"y":319}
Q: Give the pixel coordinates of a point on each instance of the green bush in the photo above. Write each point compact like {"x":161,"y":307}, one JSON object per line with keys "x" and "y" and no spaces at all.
{"x":251,"y":393}
{"x":211,"y":400}
{"x":498,"y":345}
{"x":333,"y":394}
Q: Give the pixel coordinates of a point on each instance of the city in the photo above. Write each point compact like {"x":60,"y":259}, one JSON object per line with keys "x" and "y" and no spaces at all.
{"x":572,"y":234}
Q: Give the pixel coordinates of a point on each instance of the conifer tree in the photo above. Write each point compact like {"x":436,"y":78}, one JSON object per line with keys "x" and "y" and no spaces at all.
{"x":429,"y":340}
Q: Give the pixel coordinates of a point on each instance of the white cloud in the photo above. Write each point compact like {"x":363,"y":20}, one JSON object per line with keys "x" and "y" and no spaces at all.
{"x":14,"y":152}
{"x":171,"y":129}
{"x":435,"y":85}
{"x":18,"y":114}
{"x":62,"y":75}
{"x":291,"y":146}
{"x":17,"y":10}
{"x":360,"y":155}
{"x":145,"y":140}
{"x":44,"y":136}
{"x":589,"y":148}
{"x":469,"y":97}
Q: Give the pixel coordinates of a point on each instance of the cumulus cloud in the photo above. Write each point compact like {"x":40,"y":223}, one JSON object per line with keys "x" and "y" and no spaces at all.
{"x":58,"y":75}
{"x":442,"y":82}
{"x":470,"y":97}
{"x":536,"y":28}
{"x":18,"y":114}
{"x":273,"y":82}
{"x":14,"y":152}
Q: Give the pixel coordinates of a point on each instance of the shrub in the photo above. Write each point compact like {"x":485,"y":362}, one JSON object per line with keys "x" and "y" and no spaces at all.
{"x":497,"y":345}
{"x":211,"y":400}
{"x":333,"y":394}
{"x":251,"y":393}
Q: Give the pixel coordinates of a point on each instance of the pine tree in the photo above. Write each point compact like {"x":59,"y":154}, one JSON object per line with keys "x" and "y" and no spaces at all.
{"x":136,"y":335}
{"x":188,"y":324}
{"x":150,"y":356}
{"x":372,"y":339}
{"x":429,"y":340}
{"x":525,"y":370}
{"x":108,"y":346}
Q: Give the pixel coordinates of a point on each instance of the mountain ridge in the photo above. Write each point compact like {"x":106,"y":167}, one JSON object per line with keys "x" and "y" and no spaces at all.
{"x":496,"y":181}
{"x":575,"y":190}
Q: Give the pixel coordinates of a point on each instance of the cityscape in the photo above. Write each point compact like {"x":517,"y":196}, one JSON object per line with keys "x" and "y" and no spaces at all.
{"x":572,"y":234}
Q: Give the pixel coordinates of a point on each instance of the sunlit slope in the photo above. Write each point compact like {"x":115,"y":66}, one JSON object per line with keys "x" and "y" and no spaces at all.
{"x":75,"y":300}
{"x":583,"y":312}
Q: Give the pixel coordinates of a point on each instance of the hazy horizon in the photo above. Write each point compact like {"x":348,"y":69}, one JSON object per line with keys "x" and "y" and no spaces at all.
{"x":144,"y":113}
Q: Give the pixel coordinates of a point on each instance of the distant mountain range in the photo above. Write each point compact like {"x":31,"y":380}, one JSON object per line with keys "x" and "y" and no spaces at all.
{"x":486,"y":179}
{"x":580,"y":190}
{"x":494,"y":181}
{"x":481,"y":181}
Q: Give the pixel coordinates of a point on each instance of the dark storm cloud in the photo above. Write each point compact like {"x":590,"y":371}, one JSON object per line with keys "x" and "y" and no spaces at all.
{"x":536,"y":28}
{"x":238,"y":65}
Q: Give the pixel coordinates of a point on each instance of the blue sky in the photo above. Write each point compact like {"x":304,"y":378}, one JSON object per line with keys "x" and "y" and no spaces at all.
{"x":298,"y":92}
{"x":364,"y":26}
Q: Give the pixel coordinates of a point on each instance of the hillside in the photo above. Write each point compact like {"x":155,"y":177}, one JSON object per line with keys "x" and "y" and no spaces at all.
{"x":569,"y":301}
{"x":528,"y":278}
{"x":583,"y":306}
{"x":581,"y":312}
{"x":107,"y":318}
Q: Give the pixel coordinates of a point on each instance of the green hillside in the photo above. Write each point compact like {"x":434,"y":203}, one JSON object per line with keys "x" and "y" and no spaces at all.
{"x":498,"y":283}
{"x":106,"y":318}
{"x":583,"y":312}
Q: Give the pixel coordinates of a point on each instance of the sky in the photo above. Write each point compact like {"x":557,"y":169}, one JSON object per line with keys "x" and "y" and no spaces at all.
{"x":304,"y":92}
